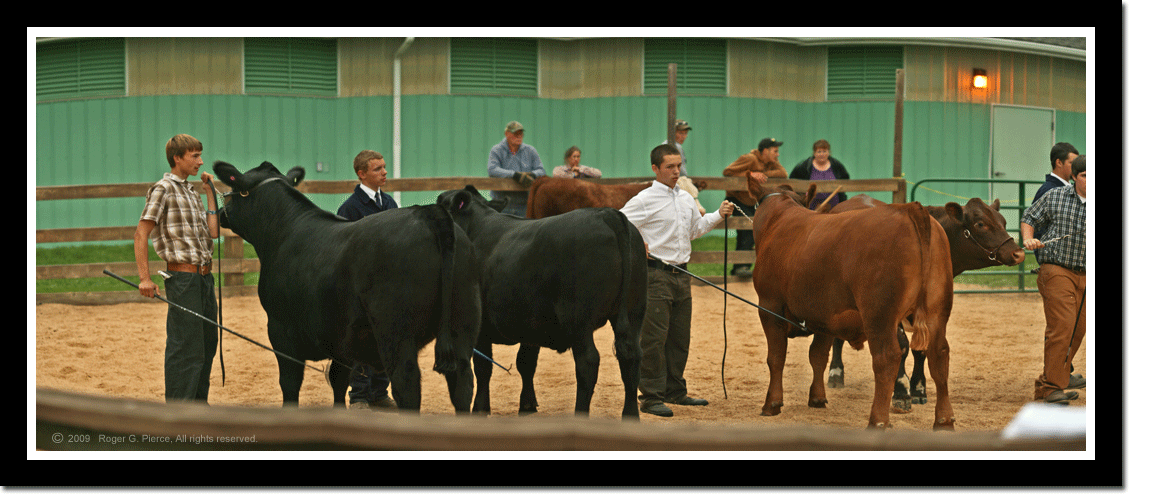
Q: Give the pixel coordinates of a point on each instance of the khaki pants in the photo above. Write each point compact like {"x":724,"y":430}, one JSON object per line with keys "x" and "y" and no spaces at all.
{"x":665,"y":336}
{"x":1063,"y":292}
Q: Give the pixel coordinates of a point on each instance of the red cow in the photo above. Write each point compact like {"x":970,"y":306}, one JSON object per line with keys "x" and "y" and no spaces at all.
{"x":853,"y":276}
{"x":977,"y":238}
{"x":550,"y":196}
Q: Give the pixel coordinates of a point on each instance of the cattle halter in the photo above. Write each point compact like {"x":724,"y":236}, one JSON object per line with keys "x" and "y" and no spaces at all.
{"x":244,"y":194}
{"x":991,"y":252}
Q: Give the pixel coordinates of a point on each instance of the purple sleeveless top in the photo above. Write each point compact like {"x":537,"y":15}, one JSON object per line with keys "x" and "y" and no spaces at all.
{"x":819,"y":198}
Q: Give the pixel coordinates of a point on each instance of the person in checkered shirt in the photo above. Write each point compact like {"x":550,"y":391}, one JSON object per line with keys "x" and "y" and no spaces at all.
{"x":182,"y":232}
{"x":1061,"y":253}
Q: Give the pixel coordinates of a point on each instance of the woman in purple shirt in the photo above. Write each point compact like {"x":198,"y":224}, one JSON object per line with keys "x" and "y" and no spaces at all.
{"x":821,"y":166}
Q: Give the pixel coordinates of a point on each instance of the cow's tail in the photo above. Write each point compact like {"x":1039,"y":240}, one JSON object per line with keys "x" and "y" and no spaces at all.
{"x":622,"y":323}
{"x":922,"y":222}
{"x":445,"y":234}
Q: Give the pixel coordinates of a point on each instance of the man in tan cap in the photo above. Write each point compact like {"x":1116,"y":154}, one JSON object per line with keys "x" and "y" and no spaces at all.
{"x":514,"y":159}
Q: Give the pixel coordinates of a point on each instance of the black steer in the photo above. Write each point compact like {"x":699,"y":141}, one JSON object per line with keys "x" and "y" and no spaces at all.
{"x":551,"y":283}
{"x":372,"y":291}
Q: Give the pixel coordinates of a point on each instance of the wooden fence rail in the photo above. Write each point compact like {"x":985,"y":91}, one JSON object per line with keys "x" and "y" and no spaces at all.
{"x":234,"y":266}
{"x":68,"y":421}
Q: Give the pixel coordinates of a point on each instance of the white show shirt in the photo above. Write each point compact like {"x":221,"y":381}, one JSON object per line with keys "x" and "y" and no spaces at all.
{"x":668,"y":221}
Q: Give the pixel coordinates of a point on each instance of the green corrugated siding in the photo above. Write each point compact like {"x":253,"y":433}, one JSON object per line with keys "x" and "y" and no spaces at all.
{"x":290,"y":66}
{"x":80,"y":68}
{"x":862,"y":73}
{"x":701,"y":65}
{"x":502,"y":66}
{"x":121,"y":140}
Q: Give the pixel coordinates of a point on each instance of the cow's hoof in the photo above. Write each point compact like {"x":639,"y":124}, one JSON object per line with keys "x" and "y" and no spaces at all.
{"x":878,"y":426}
{"x":835,"y":378}
{"x":945,"y":424}
{"x":919,"y":395}
{"x":771,"y":409}
{"x":901,"y":406}
{"x":817,"y":403}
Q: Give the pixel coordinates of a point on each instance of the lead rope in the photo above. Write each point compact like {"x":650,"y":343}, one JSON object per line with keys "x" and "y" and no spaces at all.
{"x":724,"y":358}
{"x":219,"y":288}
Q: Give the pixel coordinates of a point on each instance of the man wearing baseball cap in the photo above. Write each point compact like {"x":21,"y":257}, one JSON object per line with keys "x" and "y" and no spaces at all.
{"x":514,"y":159}
{"x":681,"y":131}
{"x":758,"y":165}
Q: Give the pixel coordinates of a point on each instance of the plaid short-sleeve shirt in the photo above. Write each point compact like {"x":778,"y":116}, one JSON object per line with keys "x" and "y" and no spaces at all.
{"x":1060,"y":212}
{"x":181,"y":233}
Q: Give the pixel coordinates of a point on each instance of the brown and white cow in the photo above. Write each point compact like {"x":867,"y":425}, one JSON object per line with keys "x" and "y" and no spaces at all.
{"x":977,"y":238}
{"x":853,"y":276}
{"x":550,"y":196}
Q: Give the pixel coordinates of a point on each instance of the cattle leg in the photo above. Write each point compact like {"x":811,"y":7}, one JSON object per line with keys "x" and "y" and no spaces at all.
{"x":885,"y":358}
{"x":919,"y":383}
{"x":339,"y":375}
{"x":587,"y":360}
{"x":901,"y":400}
{"x":460,"y":385}
{"x":405,"y":376}
{"x":291,"y":378}
{"x":628,"y":356}
{"x":836,"y":369}
{"x":777,"y":351}
{"x":818,"y":358}
{"x":526,"y":359}
{"x":938,"y":358}
{"x":483,"y":368}
{"x":291,"y":372}
{"x":460,"y":388}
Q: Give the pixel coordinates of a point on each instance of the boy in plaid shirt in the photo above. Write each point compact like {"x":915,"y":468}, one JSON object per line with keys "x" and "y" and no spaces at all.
{"x":1061,"y":254}
{"x":182,"y":233}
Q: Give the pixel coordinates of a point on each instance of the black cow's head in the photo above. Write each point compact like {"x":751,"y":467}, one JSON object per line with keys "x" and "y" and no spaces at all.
{"x":462,"y":200}
{"x":465,"y":205}
{"x":244,"y":185}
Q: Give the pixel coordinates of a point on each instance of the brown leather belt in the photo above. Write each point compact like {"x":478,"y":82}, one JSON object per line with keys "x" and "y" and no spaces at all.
{"x":190,"y":268}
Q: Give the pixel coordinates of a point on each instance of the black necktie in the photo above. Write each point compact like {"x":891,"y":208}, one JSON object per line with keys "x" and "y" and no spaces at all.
{"x":379,"y":200}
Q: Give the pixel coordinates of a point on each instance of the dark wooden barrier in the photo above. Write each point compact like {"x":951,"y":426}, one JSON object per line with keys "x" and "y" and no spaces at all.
{"x":234,"y":266}
{"x":75,"y":422}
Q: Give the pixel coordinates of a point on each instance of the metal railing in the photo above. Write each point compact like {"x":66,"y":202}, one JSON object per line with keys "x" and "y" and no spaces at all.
{"x":1017,"y":204}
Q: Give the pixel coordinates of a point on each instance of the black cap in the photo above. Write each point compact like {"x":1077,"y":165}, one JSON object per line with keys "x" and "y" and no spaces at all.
{"x":769,"y":142}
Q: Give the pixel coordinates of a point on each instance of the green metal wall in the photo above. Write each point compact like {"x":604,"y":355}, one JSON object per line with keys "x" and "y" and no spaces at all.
{"x":120,"y":140}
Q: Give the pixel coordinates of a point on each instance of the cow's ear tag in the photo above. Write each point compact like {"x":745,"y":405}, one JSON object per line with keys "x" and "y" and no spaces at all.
{"x":461,"y":205}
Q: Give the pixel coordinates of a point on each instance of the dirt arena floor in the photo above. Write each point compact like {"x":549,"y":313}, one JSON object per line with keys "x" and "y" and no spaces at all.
{"x":996,"y":339}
